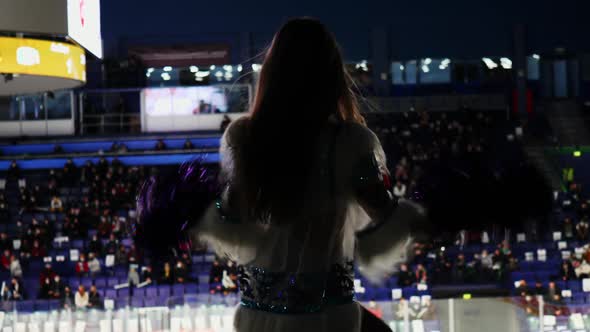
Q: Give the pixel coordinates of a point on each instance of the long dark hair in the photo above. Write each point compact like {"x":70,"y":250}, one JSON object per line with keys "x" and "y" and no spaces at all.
{"x":302,"y":83}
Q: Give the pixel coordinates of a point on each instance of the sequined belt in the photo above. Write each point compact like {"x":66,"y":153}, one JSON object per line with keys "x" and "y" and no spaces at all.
{"x":296,"y":293}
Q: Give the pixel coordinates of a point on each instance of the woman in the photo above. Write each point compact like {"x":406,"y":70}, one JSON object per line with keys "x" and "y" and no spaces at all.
{"x":305,"y":183}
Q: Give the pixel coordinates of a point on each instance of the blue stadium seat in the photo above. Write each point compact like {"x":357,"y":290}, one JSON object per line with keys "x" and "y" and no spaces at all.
{"x":41,"y":305}
{"x":150,"y":301}
{"x":178,"y":290}
{"x":151,"y":291}
{"x":163,"y":300}
{"x":54,"y":304}
{"x":190,"y":289}
{"x":100,"y":282}
{"x":203,"y":288}
{"x":111,"y":293}
{"x":137,"y":302}
{"x":121,"y":303}
{"x":164,"y":290}
{"x":25,"y":306}
{"x":139,"y":292}
{"x":112,"y":281}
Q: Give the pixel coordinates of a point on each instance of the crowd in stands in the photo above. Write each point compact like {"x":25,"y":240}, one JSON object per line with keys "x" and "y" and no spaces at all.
{"x":93,"y":208}
{"x":83,"y":214}
{"x":418,"y":141}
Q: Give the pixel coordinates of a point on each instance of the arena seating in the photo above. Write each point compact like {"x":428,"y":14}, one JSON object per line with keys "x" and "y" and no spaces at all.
{"x":408,"y":140}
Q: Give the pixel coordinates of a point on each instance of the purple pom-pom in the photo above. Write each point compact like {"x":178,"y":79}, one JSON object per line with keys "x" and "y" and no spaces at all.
{"x":168,"y":205}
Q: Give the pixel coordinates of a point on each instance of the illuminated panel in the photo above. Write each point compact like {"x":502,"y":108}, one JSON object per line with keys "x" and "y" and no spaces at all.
{"x":43,"y":58}
{"x":84,"y":24}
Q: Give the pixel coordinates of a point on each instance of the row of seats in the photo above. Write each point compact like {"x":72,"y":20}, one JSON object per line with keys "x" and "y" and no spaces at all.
{"x":29,"y":306}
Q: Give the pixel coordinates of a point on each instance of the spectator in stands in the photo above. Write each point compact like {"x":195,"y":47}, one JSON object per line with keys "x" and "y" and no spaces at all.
{"x":56,"y":204}
{"x":566,"y":271}
{"x":16,"y":270}
{"x":16,"y":290}
{"x":553,"y":293}
{"x":583,"y":229}
{"x":539,"y":289}
{"x":121,"y":256}
{"x":405,"y":277}
{"x":82,"y":266}
{"x":147,"y":275}
{"x":420,"y":274}
{"x":81,"y":298}
{"x":399,"y":190}
{"x":522,"y":289}
{"x":47,"y":272}
{"x":160,"y":145}
{"x":5,"y":259}
{"x":166,"y":278}
{"x":5,"y":242}
{"x":105,"y":229}
{"x":133,"y":277}
{"x":95,"y":245}
{"x":486,"y":261}
{"x":459,"y":269}
{"x":45,"y":291}
{"x":568,"y":228}
{"x":582,"y":269}
{"x":67,"y":298}
{"x":188,"y":145}
{"x":584,"y":210}
{"x":57,"y":287}
{"x":37,"y":251}
{"x":93,"y":265}
{"x":112,"y":244}
{"x":216,"y":272}
{"x":180,"y":272}
{"x":13,"y":172}
{"x":6,"y":293}
{"x":94,"y":300}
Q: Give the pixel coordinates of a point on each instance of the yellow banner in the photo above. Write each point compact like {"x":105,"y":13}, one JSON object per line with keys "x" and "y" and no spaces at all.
{"x":41,"y":57}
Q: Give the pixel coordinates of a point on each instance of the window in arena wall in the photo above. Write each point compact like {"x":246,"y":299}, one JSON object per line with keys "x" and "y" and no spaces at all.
{"x":435,"y":71}
{"x":397,"y":73}
{"x":411,"y":72}
{"x":532,"y":66}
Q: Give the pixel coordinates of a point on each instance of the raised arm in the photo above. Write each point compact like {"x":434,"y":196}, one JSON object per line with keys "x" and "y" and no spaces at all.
{"x":387,"y":240}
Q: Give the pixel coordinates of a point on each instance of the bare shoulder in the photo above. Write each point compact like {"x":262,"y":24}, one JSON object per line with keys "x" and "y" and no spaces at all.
{"x":237,"y":130}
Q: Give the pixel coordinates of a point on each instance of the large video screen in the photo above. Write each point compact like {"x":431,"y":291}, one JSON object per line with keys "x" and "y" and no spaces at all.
{"x":191,"y":108}
{"x":84,"y":24}
{"x":42,"y":57}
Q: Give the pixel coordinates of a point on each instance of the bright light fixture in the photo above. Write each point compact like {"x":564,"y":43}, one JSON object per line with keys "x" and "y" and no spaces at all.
{"x":194,"y":69}
{"x":167,"y":68}
{"x":489,"y":63}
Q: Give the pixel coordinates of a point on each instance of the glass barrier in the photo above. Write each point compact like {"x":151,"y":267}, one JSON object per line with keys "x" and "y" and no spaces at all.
{"x":214,"y":313}
{"x":110,"y":112}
